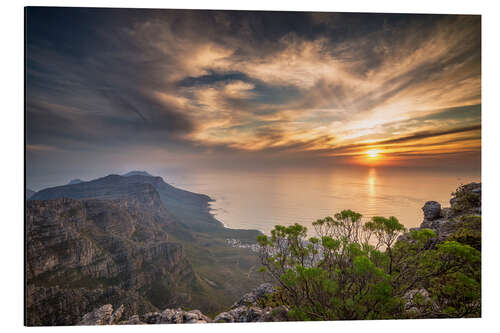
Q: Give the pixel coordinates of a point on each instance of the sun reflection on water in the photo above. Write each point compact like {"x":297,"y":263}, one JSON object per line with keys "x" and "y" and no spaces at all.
{"x":371,"y":182}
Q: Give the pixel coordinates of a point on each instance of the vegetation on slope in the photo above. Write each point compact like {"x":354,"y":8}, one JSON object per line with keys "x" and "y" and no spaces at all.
{"x":352,"y":270}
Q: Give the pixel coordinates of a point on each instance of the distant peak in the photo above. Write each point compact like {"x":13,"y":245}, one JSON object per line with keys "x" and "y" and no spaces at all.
{"x":75,"y":181}
{"x":137,"y":173}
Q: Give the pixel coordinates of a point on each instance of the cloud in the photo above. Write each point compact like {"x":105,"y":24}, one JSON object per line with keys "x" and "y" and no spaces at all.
{"x":430,"y":134}
{"x":217,"y":82}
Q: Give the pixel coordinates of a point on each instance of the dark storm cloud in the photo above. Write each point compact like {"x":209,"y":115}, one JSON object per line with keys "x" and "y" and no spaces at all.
{"x":85,"y":66}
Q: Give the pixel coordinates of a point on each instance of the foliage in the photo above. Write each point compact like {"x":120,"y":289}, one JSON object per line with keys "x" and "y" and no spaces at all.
{"x":465,"y":199}
{"x":468,"y":231}
{"x":352,"y":270}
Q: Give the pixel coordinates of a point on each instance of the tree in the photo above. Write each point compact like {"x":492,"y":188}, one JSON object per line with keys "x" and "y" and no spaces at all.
{"x":352,"y":270}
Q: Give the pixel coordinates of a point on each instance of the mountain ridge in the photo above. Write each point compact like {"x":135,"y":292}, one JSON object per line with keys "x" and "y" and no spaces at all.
{"x":124,"y":220}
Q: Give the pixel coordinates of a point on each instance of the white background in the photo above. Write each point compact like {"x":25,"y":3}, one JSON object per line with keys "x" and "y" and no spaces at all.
{"x":12,"y":166}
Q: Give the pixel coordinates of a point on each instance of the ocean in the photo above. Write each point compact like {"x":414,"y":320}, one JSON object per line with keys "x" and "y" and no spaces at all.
{"x":262,"y":199}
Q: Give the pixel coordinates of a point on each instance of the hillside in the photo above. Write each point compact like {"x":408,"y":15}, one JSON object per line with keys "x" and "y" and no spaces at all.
{"x":122,"y":239}
{"x":435,"y":273}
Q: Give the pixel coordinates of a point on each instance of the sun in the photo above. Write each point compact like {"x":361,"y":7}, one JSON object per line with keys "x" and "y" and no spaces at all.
{"x":373,"y":153}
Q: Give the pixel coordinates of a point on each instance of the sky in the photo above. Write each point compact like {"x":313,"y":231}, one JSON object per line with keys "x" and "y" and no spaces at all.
{"x":111,"y":90}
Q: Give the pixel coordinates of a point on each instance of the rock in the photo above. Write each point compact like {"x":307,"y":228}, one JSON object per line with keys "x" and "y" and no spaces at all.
{"x":224,"y":317}
{"x":134,"y":320}
{"x":415,"y":297}
{"x":446,"y":212}
{"x":276,"y":314}
{"x":91,"y":240}
{"x":417,"y":300}
{"x":252,"y":314}
{"x":253,"y":297}
{"x":466,"y":204}
{"x":176,"y":316}
{"x":152,"y":318}
{"x":117,"y":315}
{"x":432,"y":210}
{"x":100,"y":316}
{"x":195,"y":316}
{"x":467,"y":198}
{"x":247,"y":314}
{"x":166,"y":316}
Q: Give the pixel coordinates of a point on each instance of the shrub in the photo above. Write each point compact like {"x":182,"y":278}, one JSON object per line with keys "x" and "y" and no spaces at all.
{"x":352,"y":270}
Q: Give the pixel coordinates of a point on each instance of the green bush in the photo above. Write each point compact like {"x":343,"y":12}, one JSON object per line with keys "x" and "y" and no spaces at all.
{"x":465,"y":199}
{"x":352,"y":270}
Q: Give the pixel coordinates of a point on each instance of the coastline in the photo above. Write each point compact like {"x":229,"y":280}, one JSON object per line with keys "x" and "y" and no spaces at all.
{"x":210,"y":211}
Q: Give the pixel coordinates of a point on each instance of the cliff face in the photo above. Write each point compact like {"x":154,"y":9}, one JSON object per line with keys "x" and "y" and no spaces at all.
{"x":132,"y":240}
{"x":186,"y":207}
{"x":82,"y":251}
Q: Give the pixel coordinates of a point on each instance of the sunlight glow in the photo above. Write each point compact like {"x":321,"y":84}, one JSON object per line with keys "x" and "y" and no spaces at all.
{"x":373,"y":153}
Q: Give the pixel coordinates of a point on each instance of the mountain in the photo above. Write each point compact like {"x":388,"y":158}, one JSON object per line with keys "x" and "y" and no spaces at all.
{"x":191,"y":209}
{"x":75,"y":181}
{"x":29,"y":193}
{"x":137,"y":173}
{"x":132,"y":240}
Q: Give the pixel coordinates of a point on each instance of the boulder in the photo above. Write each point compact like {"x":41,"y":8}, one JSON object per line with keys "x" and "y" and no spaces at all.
{"x":224,"y":317}
{"x":432,"y":210}
{"x":117,"y":315}
{"x":134,"y":320}
{"x":253,"y":297}
{"x":152,"y":318}
{"x":100,"y":316}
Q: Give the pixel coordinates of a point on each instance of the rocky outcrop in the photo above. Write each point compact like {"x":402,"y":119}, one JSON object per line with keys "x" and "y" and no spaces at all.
{"x":432,"y":210}
{"x":252,"y":298}
{"x":467,"y":199}
{"x":246,"y":309}
{"x":65,"y":306}
{"x":414,"y":299}
{"x":247,"y":314}
{"x":465,"y":205}
{"x":101,"y":316}
{"x":249,"y":308}
{"x":105,"y":316}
